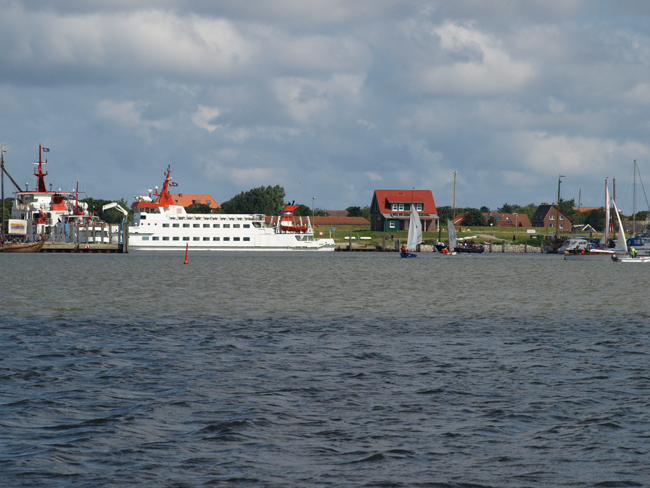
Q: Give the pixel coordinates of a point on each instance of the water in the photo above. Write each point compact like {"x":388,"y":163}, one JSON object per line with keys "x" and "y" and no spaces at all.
{"x":332,"y":369}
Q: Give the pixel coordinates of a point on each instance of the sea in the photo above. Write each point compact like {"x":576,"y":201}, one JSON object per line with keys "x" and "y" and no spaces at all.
{"x":323,"y":370}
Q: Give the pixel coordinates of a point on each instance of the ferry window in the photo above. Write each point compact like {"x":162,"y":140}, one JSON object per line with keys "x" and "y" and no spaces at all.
{"x":196,"y":225}
{"x":226,"y":226}
{"x":247,"y":238}
{"x":186,"y":238}
{"x":143,"y":216}
{"x":216,"y":226}
{"x":165,"y":225}
{"x":235,"y":238}
{"x":206,"y":226}
{"x":145,"y":238}
{"x":247,"y":226}
{"x":186,"y":225}
{"x":196,"y":238}
{"x":175,"y":238}
{"x":165,"y":238}
{"x":216,"y":238}
{"x":235,"y":226}
{"x":206,"y":238}
{"x":174,"y":225}
{"x":155,"y":238}
{"x":226,"y":238}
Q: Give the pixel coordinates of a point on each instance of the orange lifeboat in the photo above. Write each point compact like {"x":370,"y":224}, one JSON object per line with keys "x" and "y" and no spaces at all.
{"x":286,"y":223}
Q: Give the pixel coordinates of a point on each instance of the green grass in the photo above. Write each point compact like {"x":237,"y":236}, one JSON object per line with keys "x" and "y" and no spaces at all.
{"x":492,"y":234}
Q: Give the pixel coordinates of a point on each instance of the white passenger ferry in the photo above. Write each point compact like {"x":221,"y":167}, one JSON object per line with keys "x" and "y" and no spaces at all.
{"x":160,"y":225}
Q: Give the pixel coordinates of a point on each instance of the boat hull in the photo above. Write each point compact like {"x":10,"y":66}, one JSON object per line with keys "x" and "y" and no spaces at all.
{"x":33,"y":247}
{"x":407,"y":255}
{"x":592,"y":255}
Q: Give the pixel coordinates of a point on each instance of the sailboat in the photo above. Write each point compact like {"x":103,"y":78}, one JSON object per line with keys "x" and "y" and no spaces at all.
{"x":414,"y":235}
{"x":451,"y":230}
{"x":625,"y":259}
{"x":601,"y":252}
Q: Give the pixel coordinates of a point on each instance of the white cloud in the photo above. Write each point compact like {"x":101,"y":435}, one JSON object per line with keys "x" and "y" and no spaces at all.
{"x":204,"y":115}
{"x":485,"y":66}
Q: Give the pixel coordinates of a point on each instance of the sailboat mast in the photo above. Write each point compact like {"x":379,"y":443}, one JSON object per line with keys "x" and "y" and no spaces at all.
{"x":454,"y":208}
{"x":2,"y":172}
{"x":613,"y":201}
{"x":634,"y":201}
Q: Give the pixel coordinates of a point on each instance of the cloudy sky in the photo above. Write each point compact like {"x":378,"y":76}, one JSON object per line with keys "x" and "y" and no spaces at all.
{"x":330,"y":98}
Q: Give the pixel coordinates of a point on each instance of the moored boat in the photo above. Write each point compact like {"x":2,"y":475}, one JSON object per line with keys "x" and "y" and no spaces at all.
{"x":159,"y":224}
{"x":23,"y":247}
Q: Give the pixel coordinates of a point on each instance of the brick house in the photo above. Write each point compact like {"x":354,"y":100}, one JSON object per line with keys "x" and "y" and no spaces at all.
{"x":546,"y":215}
{"x":509,"y":219}
{"x":390,"y":210}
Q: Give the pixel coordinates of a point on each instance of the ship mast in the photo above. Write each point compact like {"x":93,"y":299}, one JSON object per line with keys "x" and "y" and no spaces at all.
{"x":557,"y":219}
{"x":454,"y":208}
{"x":2,"y":173}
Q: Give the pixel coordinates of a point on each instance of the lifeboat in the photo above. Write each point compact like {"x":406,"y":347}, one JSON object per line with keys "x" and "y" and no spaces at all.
{"x":286,"y":223}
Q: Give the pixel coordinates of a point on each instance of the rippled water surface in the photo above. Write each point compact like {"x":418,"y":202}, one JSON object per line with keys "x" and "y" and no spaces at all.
{"x":330,"y":369}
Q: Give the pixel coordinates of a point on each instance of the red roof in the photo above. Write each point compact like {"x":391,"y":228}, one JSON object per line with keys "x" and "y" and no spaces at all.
{"x":386,"y":197}
{"x":586,"y":209}
{"x":187,"y":199}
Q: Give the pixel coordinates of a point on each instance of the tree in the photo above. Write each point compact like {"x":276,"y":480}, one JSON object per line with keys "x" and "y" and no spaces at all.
{"x":474,"y":217}
{"x":485,"y":209}
{"x":6,"y":208}
{"x":263,"y":200}
{"x":505,"y":208}
{"x":365,"y":212}
{"x":354,"y":211}
{"x":595,"y":218}
{"x":491,"y":221}
{"x":112,"y":215}
{"x":198,"y":208}
{"x":444,"y":213}
{"x":305,"y":211}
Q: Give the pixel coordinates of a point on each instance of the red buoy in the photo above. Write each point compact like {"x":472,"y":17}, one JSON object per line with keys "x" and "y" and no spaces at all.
{"x":187,"y":247}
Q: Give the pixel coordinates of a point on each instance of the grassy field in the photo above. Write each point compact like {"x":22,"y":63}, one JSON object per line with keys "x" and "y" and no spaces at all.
{"x":483,"y":234}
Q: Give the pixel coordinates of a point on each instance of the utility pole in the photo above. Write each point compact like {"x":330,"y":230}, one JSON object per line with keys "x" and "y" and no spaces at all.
{"x":2,"y":172}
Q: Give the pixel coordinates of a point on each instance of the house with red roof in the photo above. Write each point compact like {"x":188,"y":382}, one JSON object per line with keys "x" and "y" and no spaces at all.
{"x":187,"y":199}
{"x":509,"y":219}
{"x":390,"y":210}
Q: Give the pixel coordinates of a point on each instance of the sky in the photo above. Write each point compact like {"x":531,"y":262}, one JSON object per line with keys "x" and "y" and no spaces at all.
{"x":330,"y":99}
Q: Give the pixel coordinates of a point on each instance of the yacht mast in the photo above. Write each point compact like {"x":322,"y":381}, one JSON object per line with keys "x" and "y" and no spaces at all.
{"x":454,"y":211}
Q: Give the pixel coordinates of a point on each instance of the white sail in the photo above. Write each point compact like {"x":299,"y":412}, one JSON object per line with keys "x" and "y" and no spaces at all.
{"x":603,"y":240}
{"x":621,"y":232}
{"x":452,"y":235}
{"x":415,"y":230}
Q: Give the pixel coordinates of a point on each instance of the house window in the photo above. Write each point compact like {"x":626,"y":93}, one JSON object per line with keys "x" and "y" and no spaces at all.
{"x":561,"y":226}
{"x":208,"y":202}
{"x":552,"y":225}
{"x":401,"y":207}
{"x":561,"y":217}
{"x":419,"y":207}
{"x":391,"y":224}
{"x":393,"y":207}
{"x":552,"y":217}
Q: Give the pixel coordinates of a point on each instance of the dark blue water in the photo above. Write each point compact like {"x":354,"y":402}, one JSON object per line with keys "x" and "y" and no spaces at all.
{"x":285,"y":369}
